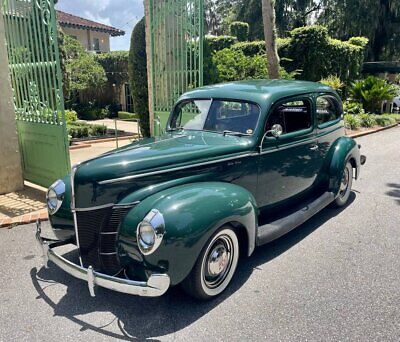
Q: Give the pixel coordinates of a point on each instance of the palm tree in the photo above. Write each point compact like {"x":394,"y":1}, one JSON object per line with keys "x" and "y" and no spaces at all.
{"x":268,"y":13}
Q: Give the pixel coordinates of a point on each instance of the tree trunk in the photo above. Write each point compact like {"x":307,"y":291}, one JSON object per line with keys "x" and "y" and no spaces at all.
{"x":268,"y":13}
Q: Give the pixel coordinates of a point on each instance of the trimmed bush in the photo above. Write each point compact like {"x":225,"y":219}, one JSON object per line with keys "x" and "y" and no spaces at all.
{"x":234,"y":65}
{"x":250,"y":48}
{"x":219,"y":43}
{"x":359,"y":41}
{"x":138,"y":76}
{"x":311,"y":50}
{"x":80,"y":130}
{"x":240,"y":30}
{"x":127,"y":115}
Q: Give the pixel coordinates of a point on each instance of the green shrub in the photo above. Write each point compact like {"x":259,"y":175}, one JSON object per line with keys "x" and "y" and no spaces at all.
{"x":217,"y":43}
{"x":250,"y":48}
{"x":359,"y":41}
{"x":396,"y":117}
{"x":353,"y":108}
{"x":240,"y":30}
{"x":311,"y":50}
{"x":138,"y":76}
{"x":371,"y":92}
{"x":234,"y":65}
{"x":384,"y":120}
{"x":70,"y":116}
{"x":79,"y":130}
{"x":367,"y":120}
{"x":127,"y":115}
{"x":352,"y":121}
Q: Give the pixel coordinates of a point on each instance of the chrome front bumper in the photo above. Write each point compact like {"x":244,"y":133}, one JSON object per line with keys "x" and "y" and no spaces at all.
{"x":155,"y":286}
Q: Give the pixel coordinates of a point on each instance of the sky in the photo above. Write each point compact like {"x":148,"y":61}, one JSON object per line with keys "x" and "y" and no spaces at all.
{"x":122,"y":14}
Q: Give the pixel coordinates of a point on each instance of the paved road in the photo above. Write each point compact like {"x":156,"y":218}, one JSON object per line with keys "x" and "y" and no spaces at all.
{"x":335,"y":278}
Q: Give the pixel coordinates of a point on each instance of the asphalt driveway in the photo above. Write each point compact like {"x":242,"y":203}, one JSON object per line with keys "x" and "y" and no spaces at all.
{"x":337,"y":277}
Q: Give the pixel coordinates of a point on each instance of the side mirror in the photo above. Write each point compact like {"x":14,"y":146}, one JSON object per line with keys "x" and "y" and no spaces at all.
{"x":276,"y":131}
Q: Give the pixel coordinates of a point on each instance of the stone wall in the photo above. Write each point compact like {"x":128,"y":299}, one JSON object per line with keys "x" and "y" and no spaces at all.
{"x":10,"y":159}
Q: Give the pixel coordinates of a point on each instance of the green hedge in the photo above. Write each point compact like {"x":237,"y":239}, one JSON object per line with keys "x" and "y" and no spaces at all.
{"x":370,"y":120}
{"x":138,"y":76}
{"x":84,"y":130}
{"x":250,"y":48}
{"x":311,"y":50}
{"x":219,"y":43}
{"x":127,"y":115}
{"x":240,"y":30}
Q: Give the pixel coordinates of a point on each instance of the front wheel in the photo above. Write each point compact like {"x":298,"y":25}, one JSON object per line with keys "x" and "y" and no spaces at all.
{"x":345,"y":186}
{"x":215,"y":266}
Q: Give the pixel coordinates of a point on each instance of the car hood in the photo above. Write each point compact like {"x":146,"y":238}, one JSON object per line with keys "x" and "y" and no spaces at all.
{"x":155,"y":154}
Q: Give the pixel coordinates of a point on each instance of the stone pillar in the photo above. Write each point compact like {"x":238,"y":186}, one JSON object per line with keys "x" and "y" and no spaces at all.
{"x":11,"y":178}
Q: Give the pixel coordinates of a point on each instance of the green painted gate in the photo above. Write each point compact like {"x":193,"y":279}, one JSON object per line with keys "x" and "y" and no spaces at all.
{"x":34,"y":62}
{"x":176,"y":43}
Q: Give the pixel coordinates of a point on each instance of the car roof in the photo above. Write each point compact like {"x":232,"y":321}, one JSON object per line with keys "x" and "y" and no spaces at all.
{"x":263,"y":92}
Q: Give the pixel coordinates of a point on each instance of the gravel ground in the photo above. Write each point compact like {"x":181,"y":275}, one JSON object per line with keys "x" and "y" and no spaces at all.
{"x":335,"y":278}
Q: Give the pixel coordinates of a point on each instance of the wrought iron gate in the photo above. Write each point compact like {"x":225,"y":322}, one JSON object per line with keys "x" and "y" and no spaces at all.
{"x":34,"y":62}
{"x":176,"y":34}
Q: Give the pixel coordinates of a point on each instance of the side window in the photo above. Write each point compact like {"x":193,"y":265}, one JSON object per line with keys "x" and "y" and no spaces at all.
{"x":328,"y":109}
{"x":293,"y":116}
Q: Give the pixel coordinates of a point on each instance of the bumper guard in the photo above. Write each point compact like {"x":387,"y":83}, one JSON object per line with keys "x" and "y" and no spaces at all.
{"x":155,"y":286}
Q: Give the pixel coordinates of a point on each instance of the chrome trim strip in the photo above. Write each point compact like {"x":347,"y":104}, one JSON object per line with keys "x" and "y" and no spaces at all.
{"x":277,"y":149}
{"x":108,"y":205}
{"x":104,"y":206}
{"x":74,"y":169}
{"x":109,"y":233}
{"x":155,"y":286}
{"x":153,"y":173}
{"x":111,"y":253}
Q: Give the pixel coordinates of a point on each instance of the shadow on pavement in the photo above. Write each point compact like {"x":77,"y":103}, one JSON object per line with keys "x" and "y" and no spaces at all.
{"x":394,"y":192}
{"x":144,"y":318}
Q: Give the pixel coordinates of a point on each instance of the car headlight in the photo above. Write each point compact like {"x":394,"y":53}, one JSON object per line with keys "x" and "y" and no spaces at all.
{"x":150,"y":232}
{"x":55,"y":196}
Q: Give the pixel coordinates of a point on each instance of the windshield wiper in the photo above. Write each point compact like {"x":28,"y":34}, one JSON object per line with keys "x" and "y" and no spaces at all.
{"x":238,"y":134}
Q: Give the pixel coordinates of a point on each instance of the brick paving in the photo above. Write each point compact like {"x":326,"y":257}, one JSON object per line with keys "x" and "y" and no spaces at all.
{"x":22,"y":207}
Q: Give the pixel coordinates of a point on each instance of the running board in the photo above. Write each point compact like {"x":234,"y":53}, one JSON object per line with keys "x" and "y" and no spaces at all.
{"x":276,"y":229}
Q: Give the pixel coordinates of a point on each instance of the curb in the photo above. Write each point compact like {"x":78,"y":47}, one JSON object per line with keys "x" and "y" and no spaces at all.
{"x":24,"y":219}
{"x":371,"y":131}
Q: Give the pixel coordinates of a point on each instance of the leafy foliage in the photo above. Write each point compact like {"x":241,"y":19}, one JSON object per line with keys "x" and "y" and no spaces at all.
{"x":138,"y":76}
{"x":240,"y":30}
{"x":82,"y":70}
{"x":311,"y":50}
{"x":78,"y":130}
{"x":354,"y":108}
{"x":234,"y":65}
{"x":219,"y":43}
{"x":371,"y":92}
{"x":367,"y":120}
{"x":352,"y":121}
{"x":115,"y":64}
{"x":333,"y":81}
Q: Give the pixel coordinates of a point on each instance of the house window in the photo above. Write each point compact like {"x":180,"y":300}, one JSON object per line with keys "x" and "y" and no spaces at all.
{"x":96,"y":44}
{"x":128,"y":99}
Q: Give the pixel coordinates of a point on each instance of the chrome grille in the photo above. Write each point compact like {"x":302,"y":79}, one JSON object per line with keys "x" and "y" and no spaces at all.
{"x":98,"y":233}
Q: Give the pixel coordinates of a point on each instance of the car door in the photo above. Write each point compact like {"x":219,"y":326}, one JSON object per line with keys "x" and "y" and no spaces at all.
{"x":288,"y":165}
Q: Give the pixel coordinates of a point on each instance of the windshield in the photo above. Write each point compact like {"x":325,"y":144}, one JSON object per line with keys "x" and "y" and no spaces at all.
{"x":225,"y":116}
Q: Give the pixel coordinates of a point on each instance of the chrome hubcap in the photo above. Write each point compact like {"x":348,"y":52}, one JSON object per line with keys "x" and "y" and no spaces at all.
{"x":218,"y":261}
{"x":345,"y":182}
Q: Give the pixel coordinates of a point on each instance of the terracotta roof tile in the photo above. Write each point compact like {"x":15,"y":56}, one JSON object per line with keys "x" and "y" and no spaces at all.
{"x":69,"y":20}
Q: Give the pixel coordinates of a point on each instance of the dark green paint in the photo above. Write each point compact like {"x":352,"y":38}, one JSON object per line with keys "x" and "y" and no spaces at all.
{"x":210,"y":190}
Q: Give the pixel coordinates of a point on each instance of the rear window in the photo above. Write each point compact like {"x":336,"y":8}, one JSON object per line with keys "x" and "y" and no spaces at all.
{"x":328,"y":109}
{"x":293,"y":116}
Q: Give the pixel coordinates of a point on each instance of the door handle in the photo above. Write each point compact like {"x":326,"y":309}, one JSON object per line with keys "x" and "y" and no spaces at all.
{"x":314,"y":148}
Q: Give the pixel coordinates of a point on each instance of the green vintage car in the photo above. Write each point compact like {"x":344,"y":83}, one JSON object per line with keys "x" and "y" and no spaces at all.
{"x":239,"y":165}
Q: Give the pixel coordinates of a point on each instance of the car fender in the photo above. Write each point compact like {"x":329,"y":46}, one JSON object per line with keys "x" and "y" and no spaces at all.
{"x":343,"y":150}
{"x":192,"y":213}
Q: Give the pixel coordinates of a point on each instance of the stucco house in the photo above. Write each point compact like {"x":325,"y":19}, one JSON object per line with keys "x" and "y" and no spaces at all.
{"x":92,"y":35}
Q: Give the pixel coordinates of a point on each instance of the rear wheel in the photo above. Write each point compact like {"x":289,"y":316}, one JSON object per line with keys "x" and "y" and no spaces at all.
{"x":215,"y":266}
{"x":345,"y":186}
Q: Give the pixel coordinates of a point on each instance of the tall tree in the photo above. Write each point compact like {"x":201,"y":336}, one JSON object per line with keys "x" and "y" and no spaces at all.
{"x":268,"y":13}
